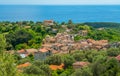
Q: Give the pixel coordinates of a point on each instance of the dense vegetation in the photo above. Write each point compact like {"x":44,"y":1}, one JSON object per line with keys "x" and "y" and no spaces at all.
{"x":103,"y":24}
{"x":111,"y":34}
{"x":27,"y":34}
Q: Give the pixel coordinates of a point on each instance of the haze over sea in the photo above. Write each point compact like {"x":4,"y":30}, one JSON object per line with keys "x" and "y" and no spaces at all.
{"x":60,"y":13}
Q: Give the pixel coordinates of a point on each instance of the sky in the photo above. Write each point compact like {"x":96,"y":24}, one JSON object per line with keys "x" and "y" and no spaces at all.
{"x":62,"y":2}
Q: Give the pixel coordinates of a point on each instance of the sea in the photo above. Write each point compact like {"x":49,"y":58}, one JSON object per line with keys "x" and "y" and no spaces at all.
{"x":60,"y":13}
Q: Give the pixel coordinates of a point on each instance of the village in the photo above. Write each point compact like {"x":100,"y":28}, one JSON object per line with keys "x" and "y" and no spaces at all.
{"x":61,"y":47}
{"x":63,"y":43}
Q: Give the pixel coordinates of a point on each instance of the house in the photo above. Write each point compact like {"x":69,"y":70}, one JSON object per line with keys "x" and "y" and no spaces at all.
{"x":23,"y":65}
{"x":118,"y":57}
{"x":97,"y":44}
{"x":42,"y":54}
{"x":114,"y":45}
{"x":56,"y":67}
{"x":31,"y":51}
{"x":48,"y":22}
{"x":101,"y":28}
{"x":78,"y":65}
{"x":27,"y":27}
{"x":83,"y":32}
{"x":54,"y":31}
{"x":25,"y":52}
{"x":64,"y":43}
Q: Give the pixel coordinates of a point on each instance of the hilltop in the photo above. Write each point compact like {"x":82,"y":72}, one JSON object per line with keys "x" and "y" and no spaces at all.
{"x":60,"y":49}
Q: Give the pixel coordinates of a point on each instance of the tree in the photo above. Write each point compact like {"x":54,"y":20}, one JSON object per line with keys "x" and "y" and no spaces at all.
{"x":54,"y":73}
{"x":18,"y":37}
{"x":2,"y":43}
{"x":7,"y":65}
{"x":68,"y":61}
{"x":85,"y":71}
{"x":70,"y":22}
{"x":84,"y":27}
{"x":43,"y":66}
{"x":46,"y":69}
{"x":38,"y":63}
{"x":98,"y":68}
{"x":37,"y":28}
{"x":7,"y":61}
{"x":79,"y":56}
{"x":34,"y":70}
{"x":113,"y":52}
{"x":54,"y":59}
{"x":21,"y":46}
{"x":112,"y":67}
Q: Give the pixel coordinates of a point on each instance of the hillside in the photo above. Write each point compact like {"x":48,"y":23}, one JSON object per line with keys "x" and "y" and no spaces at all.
{"x":103,"y":24}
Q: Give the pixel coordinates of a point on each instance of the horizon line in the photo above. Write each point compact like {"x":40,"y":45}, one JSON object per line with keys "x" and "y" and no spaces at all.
{"x":60,"y":4}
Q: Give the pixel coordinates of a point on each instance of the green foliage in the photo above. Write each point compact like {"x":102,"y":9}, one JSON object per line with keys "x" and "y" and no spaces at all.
{"x":85,"y":27}
{"x":34,"y":70}
{"x":67,"y":72}
{"x":103,"y":24}
{"x":7,"y":61}
{"x":7,"y":65}
{"x":22,"y":61}
{"x":18,"y":37}
{"x":18,"y":34}
{"x":68,"y":61}
{"x":86,"y":71}
{"x":2,"y":43}
{"x":54,"y":73}
{"x":107,"y":34}
{"x":54,"y":59}
{"x":77,"y":38}
{"x":79,"y":56}
{"x":98,"y":68}
{"x":113,"y":51}
{"x":21,"y":46}
{"x":46,"y":69}
{"x":70,"y":22}
{"x":38,"y":68}
{"x":111,"y":34}
{"x":38,"y":63}
{"x":112,"y":67}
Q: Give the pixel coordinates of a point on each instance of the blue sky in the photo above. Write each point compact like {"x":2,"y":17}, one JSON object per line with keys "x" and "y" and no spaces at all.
{"x":64,"y":2}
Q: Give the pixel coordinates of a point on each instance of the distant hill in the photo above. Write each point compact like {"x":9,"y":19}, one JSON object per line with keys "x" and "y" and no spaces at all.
{"x":103,"y":24}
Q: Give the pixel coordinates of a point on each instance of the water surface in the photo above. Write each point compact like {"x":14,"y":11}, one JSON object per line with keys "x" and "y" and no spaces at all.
{"x":78,"y":13}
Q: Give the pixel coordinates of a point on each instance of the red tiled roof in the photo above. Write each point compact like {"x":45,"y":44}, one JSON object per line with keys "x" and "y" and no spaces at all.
{"x":55,"y":67}
{"x":43,"y":50}
{"x":55,"y":51}
{"x":118,"y":57}
{"x":31,"y":51}
{"x":21,"y":51}
{"x":23,"y":65}
{"x":82,"y":64}
{"x":104,"y":41}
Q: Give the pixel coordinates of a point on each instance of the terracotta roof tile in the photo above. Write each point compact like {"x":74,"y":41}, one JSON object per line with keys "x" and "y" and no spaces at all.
{"x":31,"y":50}
{"x":23,"y":65}
{"x":118,"y":57}
{"x":43,"y":50}
{"x":21,"y":51}
{"x":55,"y":67}
{"x":80,"y":64}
